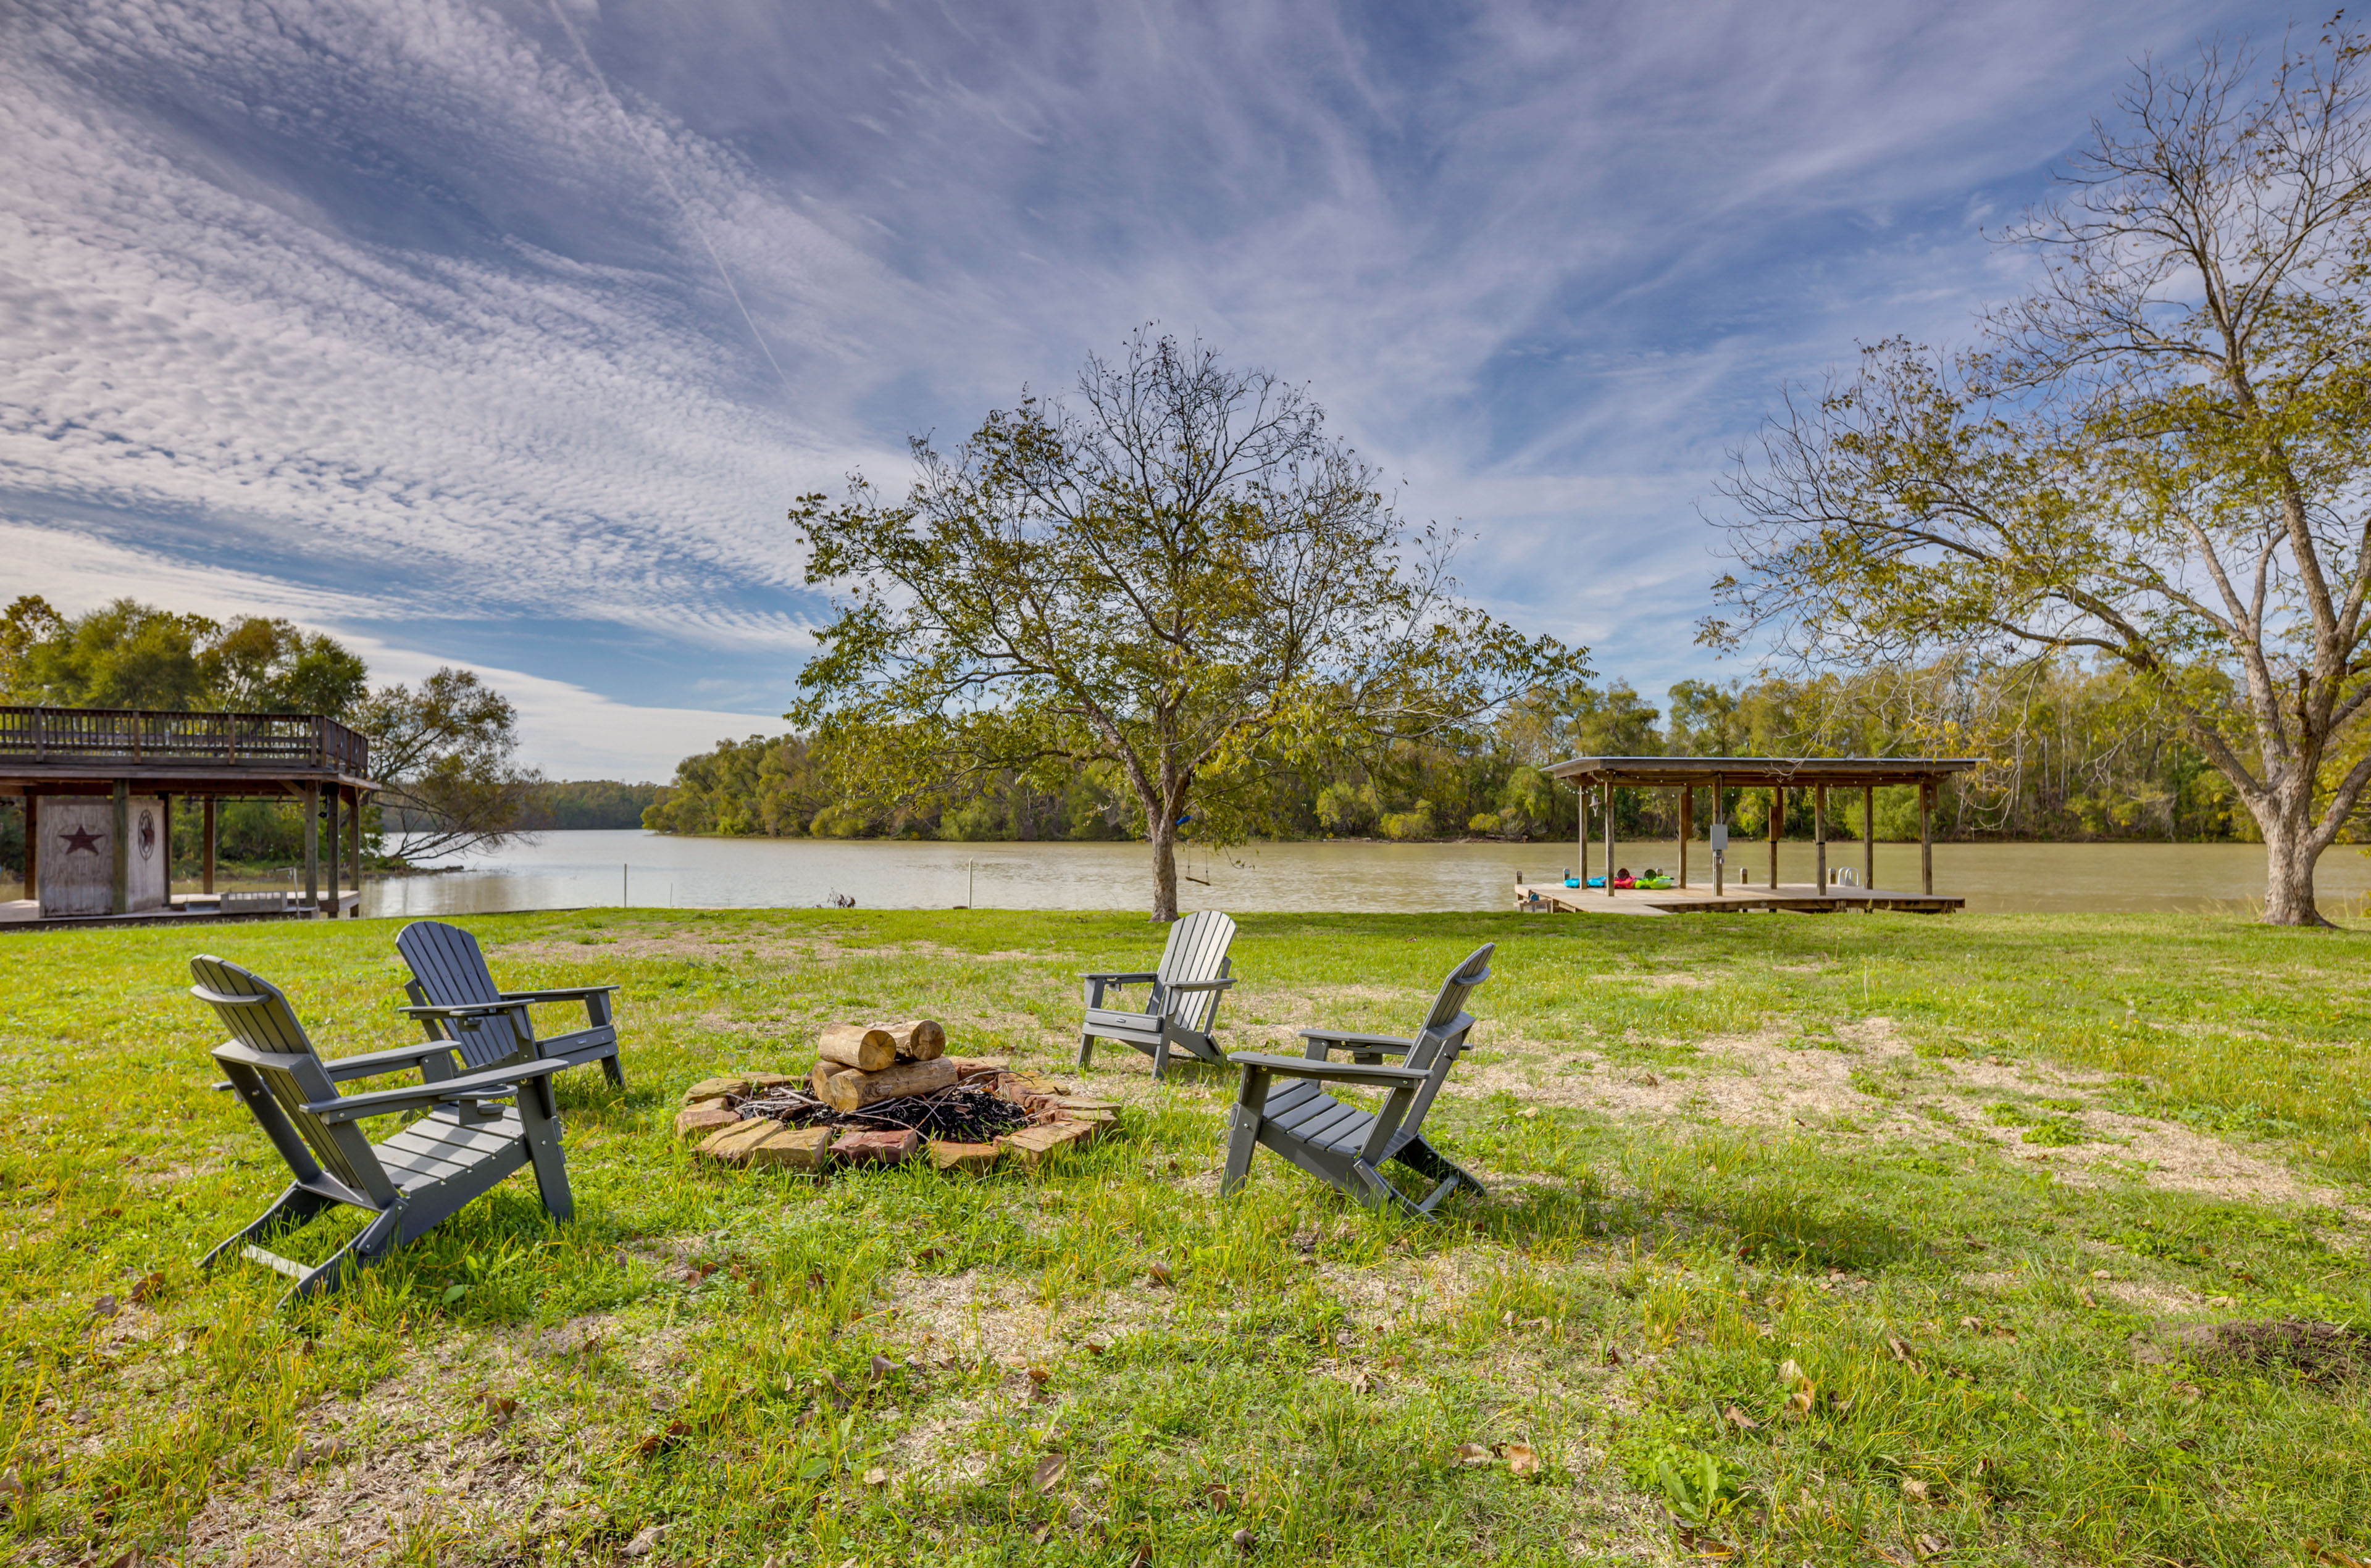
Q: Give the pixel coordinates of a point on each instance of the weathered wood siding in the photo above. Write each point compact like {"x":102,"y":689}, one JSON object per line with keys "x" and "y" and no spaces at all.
{"x":77,"y":860}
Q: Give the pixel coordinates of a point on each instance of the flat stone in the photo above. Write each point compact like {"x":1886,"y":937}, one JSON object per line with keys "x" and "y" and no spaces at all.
{"x":967,"y":1065}
{"x":791,"y":1148}
{"x":875,"y":1148}
{"x":760,"y":1082}
{"x":732,"y":1144}
{"x":1080,"y":1102}
{"x":1035,"y":1145}
{"x":975,"y":1159}
{"x":712,"y":1088}
{"x":1099,"y":1118}
{"x":704,"y":1118}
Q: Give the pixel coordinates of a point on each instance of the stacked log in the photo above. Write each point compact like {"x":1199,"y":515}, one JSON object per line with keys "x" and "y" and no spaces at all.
{"x":863,"y":1064}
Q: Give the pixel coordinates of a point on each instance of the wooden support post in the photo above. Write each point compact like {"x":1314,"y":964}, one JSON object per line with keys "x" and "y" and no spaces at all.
{"x":1819,"y":835}
{"x":335,"y":841}
{"x":1719,"y":868}
{"x":121,"y":900}
{"x":355,"y":817}
{"x":1926,"y":837}
{"x":32,"y":845}
{"x":213,"y":836}
{"x":313,"y":847}
{"x":1580,"y":806}
{"x":165,"y":810}
{"x":1607,"y":797}
{"x":1867,"y":836}
{"x":1777,"y":825}
{"x":1687,"y":826}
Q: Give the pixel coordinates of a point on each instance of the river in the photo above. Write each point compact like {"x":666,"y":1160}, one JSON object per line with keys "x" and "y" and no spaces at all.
{"x":558,"y":871}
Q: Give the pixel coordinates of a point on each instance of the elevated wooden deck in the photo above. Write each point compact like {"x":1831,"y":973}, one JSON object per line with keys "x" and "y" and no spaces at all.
{"x":1801,"y":898}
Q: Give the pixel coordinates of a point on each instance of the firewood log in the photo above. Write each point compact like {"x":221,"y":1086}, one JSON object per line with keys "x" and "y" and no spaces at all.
{"x":867,"y":1047}
{"x":824,"y":1072}
{"x":853,"y":1091}
{"x":919,"y":1040}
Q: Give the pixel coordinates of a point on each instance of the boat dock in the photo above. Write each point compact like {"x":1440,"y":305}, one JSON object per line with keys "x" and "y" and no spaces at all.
{"x":1801,"y":898}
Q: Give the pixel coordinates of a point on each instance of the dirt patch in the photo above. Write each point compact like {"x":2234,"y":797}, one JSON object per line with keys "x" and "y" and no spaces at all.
{"x":2324,"y":1353}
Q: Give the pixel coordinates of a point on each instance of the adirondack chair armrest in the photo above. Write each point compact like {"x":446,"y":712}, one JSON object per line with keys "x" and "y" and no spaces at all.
{"x":372,"y":1063}
{"x":1323,"y":1041}
{"x":1098,"y":984}
{"x":1372,"y":1075}
{"x":565,"y":994}
{"x":465,"y":1013}
{"x":493,"y":1084}
{"x":1198,"y":985}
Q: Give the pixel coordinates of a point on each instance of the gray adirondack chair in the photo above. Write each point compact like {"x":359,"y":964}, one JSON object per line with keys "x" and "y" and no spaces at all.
{"x":455,"y":998}
{"x":1282,"y":1102}
{"x":1183,"y":1001}
{"x":468,"y":1141}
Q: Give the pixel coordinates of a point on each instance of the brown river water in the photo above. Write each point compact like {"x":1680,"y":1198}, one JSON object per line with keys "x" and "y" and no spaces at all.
{"x":605,"y":868}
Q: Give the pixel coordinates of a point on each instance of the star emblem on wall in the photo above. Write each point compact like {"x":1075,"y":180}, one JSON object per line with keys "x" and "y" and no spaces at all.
{"x":82,"y":838}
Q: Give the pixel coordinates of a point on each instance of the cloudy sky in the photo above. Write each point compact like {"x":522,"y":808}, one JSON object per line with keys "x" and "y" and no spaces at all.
{"x":502,"y":333}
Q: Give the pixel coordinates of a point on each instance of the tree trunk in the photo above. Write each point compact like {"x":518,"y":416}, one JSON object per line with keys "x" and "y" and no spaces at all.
{"x":1163,"y":827}
{"x":2291,"y":846}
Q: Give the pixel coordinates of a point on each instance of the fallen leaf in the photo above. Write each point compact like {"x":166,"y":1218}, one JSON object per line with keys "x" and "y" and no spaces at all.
{"x":930,"y":1254}
{"x":1244,"y":1541}
{"x":1613,"y":1356}
{"x":149,"y":1288}
{"x":2321,"y":1554}
{"x":1038,"y":1535}
{"x":1788,"y":1372}
{"x":1218,"y":1495}
{"x":1523,"y":1459}
{"x":498,"y":1408}
{"x":1901,"y":1350}
{"x":1469,"y":1454}
{"x":884,"y":1368}
{"x":1159,"y":1274}
{"x":2088,"y":1299}
{"x":106,"y":1306}
{"x":1361,"y":1382}
{"x":645,"y":1540}
{"x":875,"y":1476}
{"x":1739,"y":1418}
{"x":1973,"y":1325}
{"x":1915,"y":1489}
{"x":1047,"y":1473}
{"x":1041,"y":1374}
{"x":1143,"y":1558}
{"x":1095,"y":1347}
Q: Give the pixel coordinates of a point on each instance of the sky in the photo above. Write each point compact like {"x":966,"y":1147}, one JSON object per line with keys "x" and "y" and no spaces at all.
{"x":504,"y":334}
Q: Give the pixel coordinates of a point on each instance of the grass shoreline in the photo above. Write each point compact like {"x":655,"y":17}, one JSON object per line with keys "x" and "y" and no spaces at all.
{"x":1825,"y":1240}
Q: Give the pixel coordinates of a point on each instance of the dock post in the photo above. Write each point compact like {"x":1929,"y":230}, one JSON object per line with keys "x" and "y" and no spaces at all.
{"x":1717,"y":820}
{"x":1777,"y":825}
{"x":1581,"y":807}
{"x":1867,"y":836}
{"x":1607,"y":797}
{"x":313,"y":849}
{"x":120,"y":902}
{"x":212,"y":831}
{"x":32,"y":844}
{"x":356,"y":817}
{"x":165,"y":810}
{"x":1926,"y":837}
{"x":329,"y":861}
{"x":1820,"y":834}
{"x":1687,"y":826}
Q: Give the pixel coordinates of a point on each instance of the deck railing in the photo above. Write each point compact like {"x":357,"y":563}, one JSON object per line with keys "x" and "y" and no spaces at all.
{"x":260,"y":741}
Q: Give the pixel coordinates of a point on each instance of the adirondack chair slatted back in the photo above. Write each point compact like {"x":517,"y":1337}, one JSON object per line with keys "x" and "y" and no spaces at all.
{"x":1196,"y":951}
{"x":449,"y":971}
{"x":1442,"y":1039}
{"x":258,"y":1017}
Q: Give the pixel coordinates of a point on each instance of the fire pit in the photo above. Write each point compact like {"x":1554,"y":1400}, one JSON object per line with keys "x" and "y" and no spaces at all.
{"x":969,"y":1112}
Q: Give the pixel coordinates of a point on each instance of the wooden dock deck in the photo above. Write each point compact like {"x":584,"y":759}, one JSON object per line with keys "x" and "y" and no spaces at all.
{"x":1801,"y":898}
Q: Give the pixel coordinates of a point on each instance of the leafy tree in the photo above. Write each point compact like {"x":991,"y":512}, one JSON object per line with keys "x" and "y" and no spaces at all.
{"x":446,"y":756}
{"x":1181,"y":577}
{"x":2161,"y":454}
{"x":127,"y":655}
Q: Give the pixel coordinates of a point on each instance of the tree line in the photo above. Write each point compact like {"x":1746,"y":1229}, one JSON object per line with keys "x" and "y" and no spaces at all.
{"x":2066,"y":752}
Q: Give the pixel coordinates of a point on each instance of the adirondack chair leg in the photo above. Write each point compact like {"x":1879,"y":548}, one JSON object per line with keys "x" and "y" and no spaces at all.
{"x":1425,"y":1160}
{"x":1243,"y":1130}
{"x":1086,"y":1050}
{"x":1376,"y":1192}
{"x":365,"y":1248}
{"x":539,"y":1113}
{"x":293,"y":1208}
{"x":614,"y":1070}
{"x":1160,"y":1056}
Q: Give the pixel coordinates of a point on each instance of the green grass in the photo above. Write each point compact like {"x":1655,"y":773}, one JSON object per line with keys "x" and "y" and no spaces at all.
{"x":1956,"y":1172}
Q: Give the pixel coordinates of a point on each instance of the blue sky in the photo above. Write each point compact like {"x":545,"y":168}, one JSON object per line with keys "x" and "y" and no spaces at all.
{"x":503,"y":334}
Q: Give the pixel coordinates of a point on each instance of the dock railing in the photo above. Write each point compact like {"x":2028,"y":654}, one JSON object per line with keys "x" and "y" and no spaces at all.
{"x":65,"y":736}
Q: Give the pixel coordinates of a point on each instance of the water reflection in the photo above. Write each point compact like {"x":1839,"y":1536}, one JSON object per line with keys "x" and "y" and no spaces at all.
{"x":575,"y":869}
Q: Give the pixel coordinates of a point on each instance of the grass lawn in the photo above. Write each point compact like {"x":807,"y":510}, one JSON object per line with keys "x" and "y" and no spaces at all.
{"x":1838,"y":1239}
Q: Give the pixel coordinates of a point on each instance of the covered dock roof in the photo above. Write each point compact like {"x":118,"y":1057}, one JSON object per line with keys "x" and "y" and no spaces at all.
{"x":1758,"y":772}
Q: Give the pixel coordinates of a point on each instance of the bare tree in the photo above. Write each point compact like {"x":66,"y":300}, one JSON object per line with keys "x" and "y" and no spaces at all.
{"x":445,"y":757}
{"x":2160,"y":455}
{"x":1182,"y":577}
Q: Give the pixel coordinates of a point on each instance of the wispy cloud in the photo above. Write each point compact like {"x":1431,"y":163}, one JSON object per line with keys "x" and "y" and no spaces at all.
{"x":392,"y":312}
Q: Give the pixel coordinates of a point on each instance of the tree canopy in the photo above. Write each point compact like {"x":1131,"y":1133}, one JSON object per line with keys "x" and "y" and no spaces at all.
{"x":2160,"y":455}
{"x":1178,"y":573}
